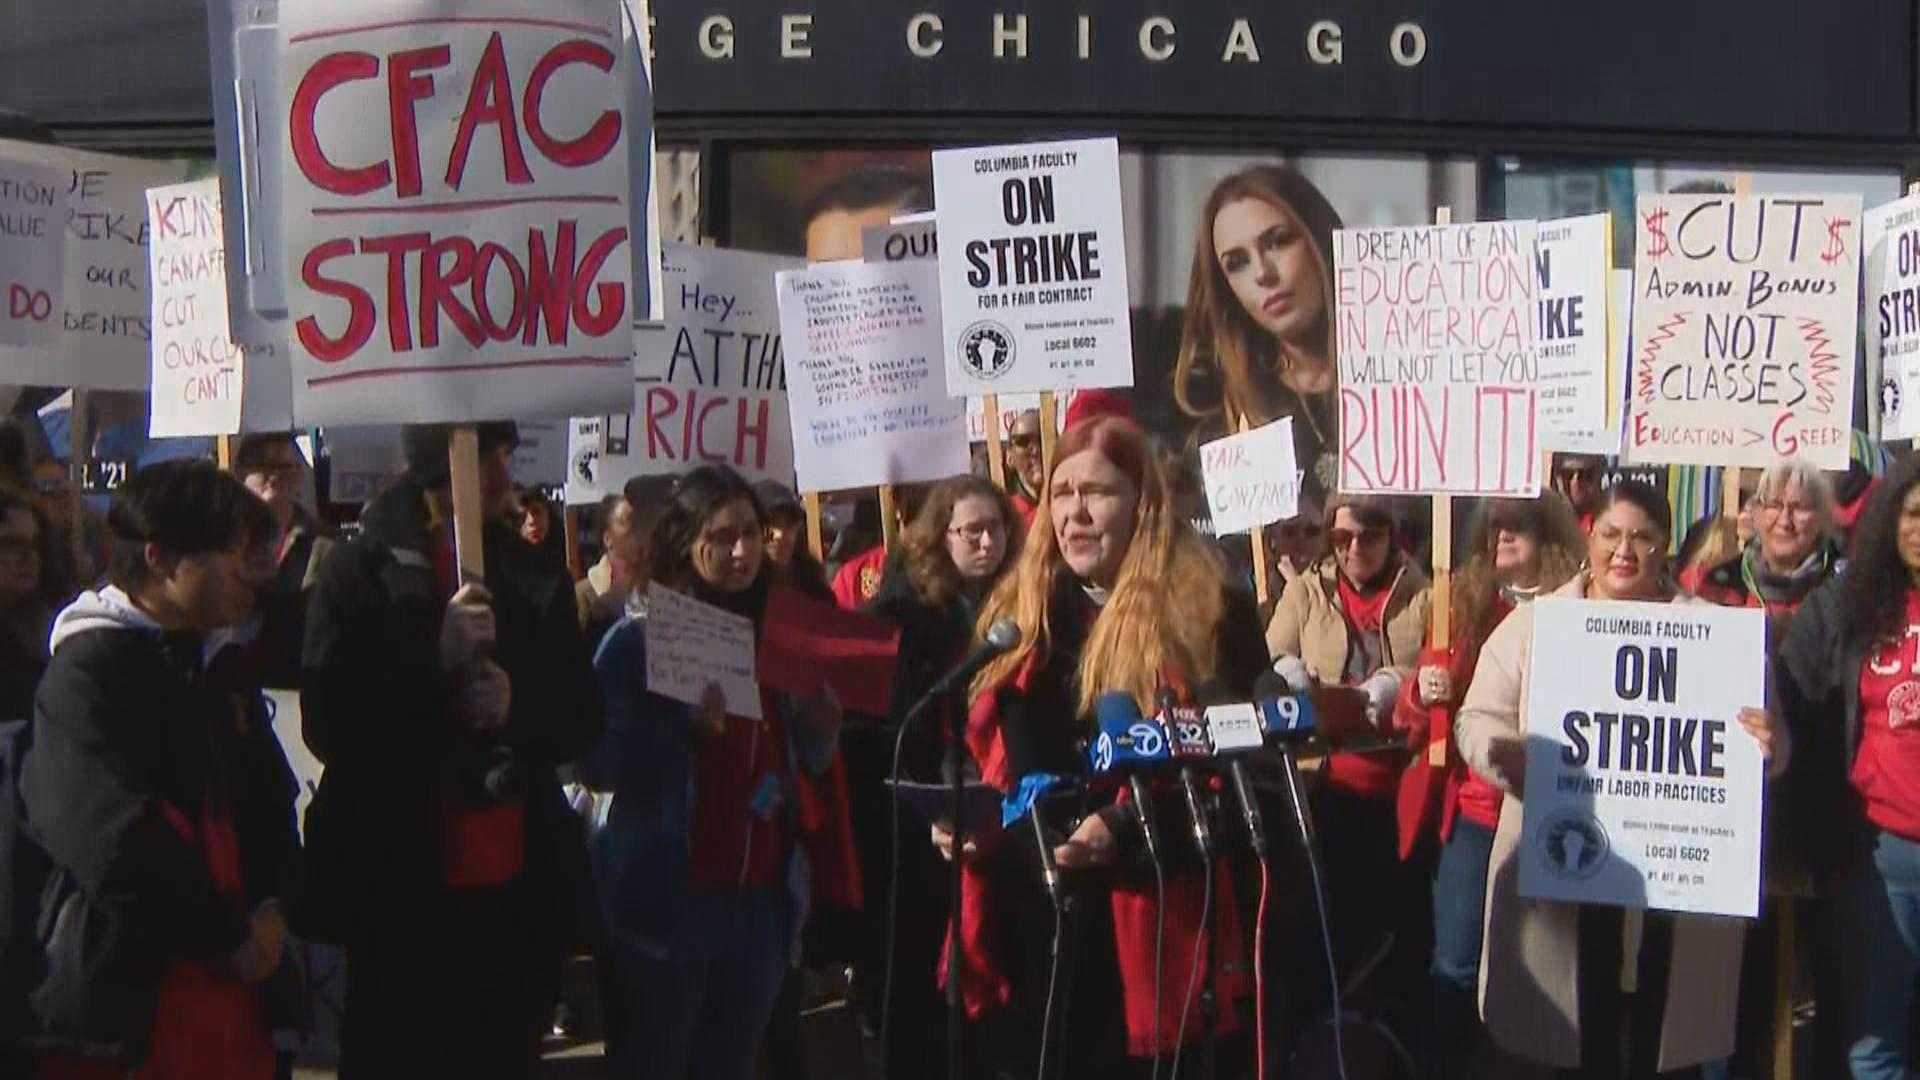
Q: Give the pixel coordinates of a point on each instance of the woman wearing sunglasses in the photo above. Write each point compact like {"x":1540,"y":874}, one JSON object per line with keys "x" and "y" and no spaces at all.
{"x":1551,"y":973}
{"x":1357,"y":618}
{"x":1516,"y":550}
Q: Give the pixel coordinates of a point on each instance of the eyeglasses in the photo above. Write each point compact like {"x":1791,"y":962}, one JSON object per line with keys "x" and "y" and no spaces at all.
{"x":1639,"y":542}
{"x":1346,"y":538}
{"x":1774,"y":508}
{"x":1024,"y":442}
{"x":979,"y":531}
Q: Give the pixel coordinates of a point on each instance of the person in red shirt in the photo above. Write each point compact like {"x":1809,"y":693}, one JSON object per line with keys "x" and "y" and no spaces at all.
{"x":1848,"y":682}
{"x":1516,"y":550}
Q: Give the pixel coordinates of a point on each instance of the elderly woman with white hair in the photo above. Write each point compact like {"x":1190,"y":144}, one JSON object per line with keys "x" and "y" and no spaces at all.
{"x":1792,"y":552}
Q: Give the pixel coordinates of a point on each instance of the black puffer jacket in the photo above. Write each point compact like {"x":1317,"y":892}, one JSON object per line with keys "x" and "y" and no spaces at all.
{"x":1815,"y":818}
{"x":378,"y":713}
{"x":130,"y":725}
{"x":932,"y":640}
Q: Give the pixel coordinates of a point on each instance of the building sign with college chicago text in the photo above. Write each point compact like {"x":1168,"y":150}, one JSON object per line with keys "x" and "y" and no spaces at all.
{"x":1635,"y":68}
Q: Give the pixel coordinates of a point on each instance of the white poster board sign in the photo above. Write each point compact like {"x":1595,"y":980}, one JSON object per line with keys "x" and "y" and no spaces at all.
{"x":865,"y":386}
{"x":1438,"y":376}
{"x":197,"y":367}
{"x":902,"y":241}
{"x":104,"y":325}
{"x":691,"y":644}
{"x":1643,"y":790}
{"x":1573,"y":335}
{"x":456,"y":212}
{"x":1033,"y":267}
{"x":33,"y":252}
{"x":1744,"y":314}
{"x":541,"y":458}
{"x":711,"y":386}
{"x":1892,"y":256}
{"x":1251,"y":478}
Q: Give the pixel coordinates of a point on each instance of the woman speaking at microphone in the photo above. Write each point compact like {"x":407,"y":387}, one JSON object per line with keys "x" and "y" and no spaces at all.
{"x":1552,"y":973}
{"x":1112,"y":594}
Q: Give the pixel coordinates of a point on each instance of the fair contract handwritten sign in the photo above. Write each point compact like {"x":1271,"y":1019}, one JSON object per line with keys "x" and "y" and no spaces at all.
{"x":691,"y":644}
{"x":1643,"y":790}
{"x":1251,"y":478}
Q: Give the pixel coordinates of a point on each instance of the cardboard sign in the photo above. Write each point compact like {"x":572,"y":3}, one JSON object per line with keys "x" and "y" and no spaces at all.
{"x":1892,"y":256}
{"x":456,"y":213}
{"x":1643,"y":790}
{"x":541,"y":458}
{"x":691,"y":644}
{"x":33,"y":252}
{"x":805,"y":643}
{"x":903,"y":241}
{"x":197,"y":367}
{"x":1437,"y":366}
{"x":1033,"y":267}
{"x":1574,"y":336}
{"x":710,"y":387}
{"x":869,"y":404}
{"x":104,"y":325}
{"x":1251,"y":478}
{"x":1743,"y":329}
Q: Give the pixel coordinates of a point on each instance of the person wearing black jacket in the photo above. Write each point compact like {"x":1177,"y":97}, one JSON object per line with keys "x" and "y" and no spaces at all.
{"x":270,"y":466}
{"x":158,"y":794}
{"x":444,"y":857}
{"x":949,"y":558}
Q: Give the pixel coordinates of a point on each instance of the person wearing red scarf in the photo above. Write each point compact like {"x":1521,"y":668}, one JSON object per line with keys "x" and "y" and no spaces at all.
{"x":1357,"y":619}
{"x":1113,"y":594}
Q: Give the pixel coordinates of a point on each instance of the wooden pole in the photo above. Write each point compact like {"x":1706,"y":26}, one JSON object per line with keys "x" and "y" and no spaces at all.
{"x":1049,"y":431}
{"x":815,"y":530}
{"x":463,"y":461}
{"x":1441,"y":624}
{"x":1262,"y":573}
{"x":223,"y":451}
{"x":996,"y":459}
{"x":889,"y":517}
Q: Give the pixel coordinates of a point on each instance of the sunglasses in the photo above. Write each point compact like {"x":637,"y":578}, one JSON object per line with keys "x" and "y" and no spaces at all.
{"x":1024,"y":442}
{"x":1346,"y":538}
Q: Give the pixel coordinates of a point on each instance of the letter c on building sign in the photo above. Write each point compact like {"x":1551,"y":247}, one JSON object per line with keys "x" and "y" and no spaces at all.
{"x":924,"y":35}
{"x":1408,"y":44}
{"x":1323,"y":42}
{"x":1151,"y":34}
{"x":716,"y":37}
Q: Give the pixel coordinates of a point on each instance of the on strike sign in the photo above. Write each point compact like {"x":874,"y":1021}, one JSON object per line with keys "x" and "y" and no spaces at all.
{"x":1643,"y":790}
{"x":1744,"y":313}
{"x":1438,"y":374}
{"x":456,"y":209}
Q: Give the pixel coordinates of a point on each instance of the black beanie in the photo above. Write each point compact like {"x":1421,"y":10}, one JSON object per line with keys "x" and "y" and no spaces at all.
{"x":425,"y":447}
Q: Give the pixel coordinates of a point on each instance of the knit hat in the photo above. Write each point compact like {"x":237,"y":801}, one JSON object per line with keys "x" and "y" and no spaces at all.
{"x":1088,"y":404}
{"x":425,"y":448}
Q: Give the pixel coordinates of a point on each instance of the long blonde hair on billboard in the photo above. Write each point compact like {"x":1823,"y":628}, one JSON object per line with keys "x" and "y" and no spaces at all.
{"x":1163,"y":615}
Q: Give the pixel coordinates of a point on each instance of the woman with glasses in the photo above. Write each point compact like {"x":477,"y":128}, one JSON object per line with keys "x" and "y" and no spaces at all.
{"x":1297,"y":543}
{"x":1551,"y":972}
{"x":1517,"y":550}
{"x":715,"y":828}
{"x":1357,"y":618}
{"x":949,"y":559}
{"x":271,"y":467}
{"x":1792,"y":551}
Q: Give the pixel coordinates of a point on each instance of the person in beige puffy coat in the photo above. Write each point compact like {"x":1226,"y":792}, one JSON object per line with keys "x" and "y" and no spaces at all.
{"x":1551,"y":973}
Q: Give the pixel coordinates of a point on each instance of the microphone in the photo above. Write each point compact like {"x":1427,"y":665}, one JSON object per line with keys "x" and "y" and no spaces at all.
{"x":1001,"y":636}
{"x":1131,"y":743}
{"x":1190,"y":741}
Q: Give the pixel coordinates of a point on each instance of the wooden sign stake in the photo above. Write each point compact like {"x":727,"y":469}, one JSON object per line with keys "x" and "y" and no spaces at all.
{"x":815,"y":530}
{"x":1441,"y":623}
{"x":1049,"y":431}
{"x":996,"y":460}
{"x":463,"y":461}
{"x":1262,"y":573}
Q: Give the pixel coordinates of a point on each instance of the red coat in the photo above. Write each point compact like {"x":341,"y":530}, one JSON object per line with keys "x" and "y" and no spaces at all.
{"x":986,"y":987}
{"x":1431,"y":795}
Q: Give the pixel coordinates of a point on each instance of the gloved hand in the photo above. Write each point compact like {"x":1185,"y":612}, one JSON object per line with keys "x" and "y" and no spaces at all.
{"x":1382,"y":689}
{"x":1295,"y":671}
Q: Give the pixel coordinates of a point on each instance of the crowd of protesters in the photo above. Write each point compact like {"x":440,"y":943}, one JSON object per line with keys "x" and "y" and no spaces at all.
{"x":157,"y":871}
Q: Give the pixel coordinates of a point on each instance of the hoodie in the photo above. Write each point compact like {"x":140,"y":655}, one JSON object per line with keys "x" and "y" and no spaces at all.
{"x":149,"y":786}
